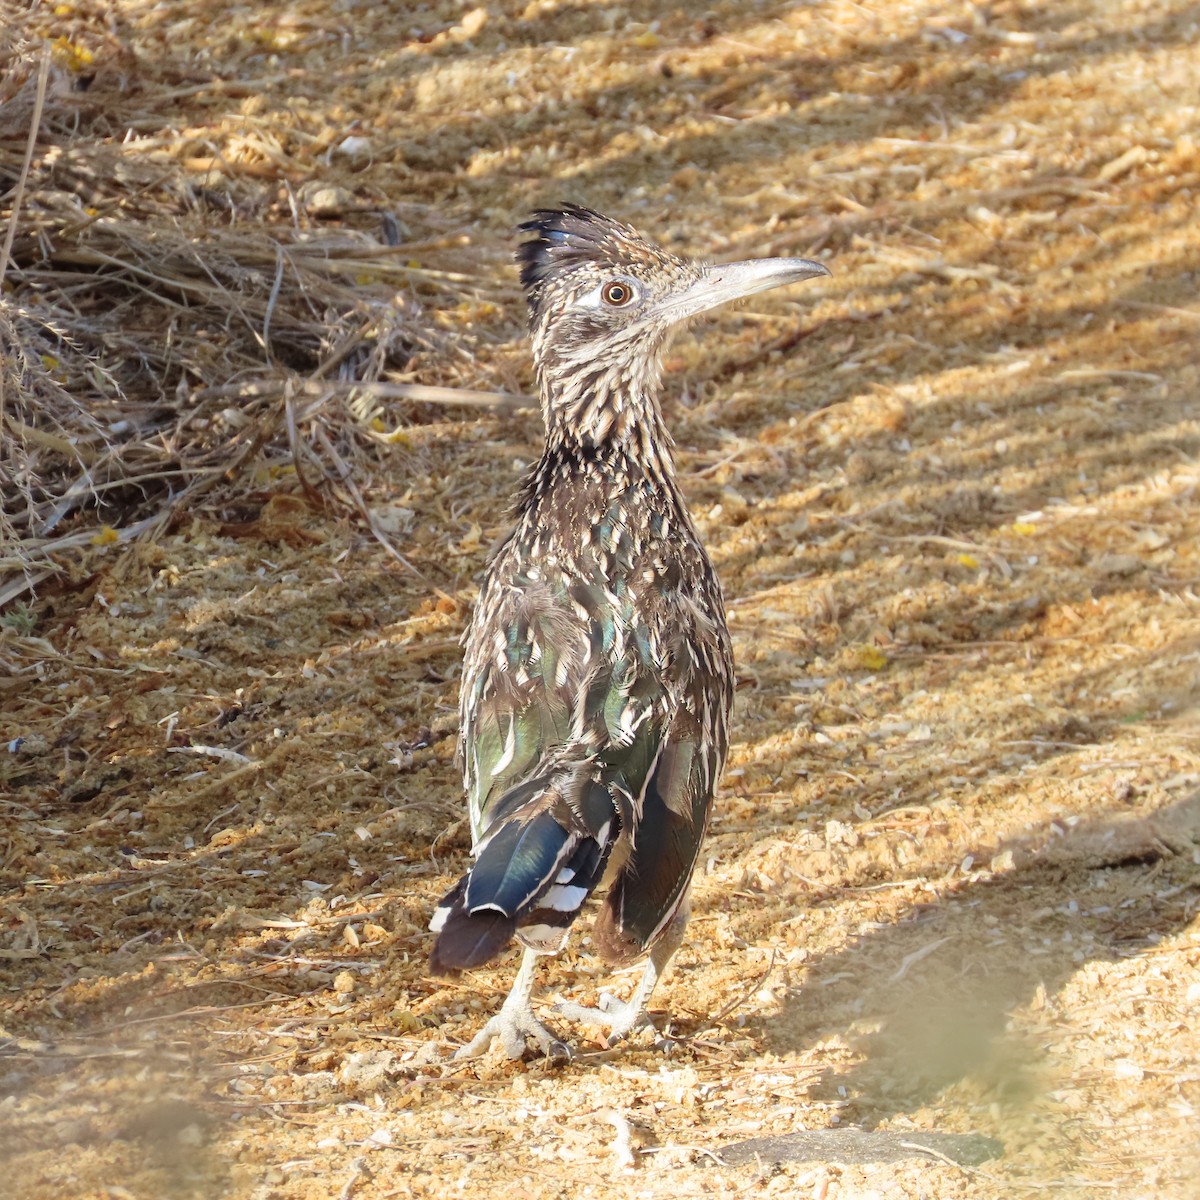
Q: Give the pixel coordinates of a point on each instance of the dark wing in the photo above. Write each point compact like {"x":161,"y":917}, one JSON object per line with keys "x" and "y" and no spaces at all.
{"x":671,"y":816}
{"x":545,"y":670}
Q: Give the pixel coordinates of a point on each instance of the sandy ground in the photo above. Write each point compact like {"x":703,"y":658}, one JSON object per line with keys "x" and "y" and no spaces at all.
{"x":952,"y":882}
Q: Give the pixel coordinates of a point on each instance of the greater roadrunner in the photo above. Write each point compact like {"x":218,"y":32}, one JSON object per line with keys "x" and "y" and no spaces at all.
{"x":598,"y":673}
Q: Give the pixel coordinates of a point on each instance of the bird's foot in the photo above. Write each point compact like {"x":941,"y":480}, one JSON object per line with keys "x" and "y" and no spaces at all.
{"x":515,"y":1028}
{"x":620,"y":1017}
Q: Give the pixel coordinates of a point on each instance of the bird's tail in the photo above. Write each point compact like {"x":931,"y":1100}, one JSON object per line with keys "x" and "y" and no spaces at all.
{"x":532,"y":875}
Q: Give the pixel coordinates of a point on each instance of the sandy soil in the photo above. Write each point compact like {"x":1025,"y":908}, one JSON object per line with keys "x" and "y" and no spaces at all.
{"x":952,"y":881}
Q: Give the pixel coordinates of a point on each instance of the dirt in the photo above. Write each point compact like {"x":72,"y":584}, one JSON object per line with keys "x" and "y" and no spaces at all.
{"x":952,"y":880}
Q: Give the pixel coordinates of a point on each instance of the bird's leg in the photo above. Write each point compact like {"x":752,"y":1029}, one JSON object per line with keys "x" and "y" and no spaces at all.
{"x":621,"y":1018}
{"x":515,"y":1021}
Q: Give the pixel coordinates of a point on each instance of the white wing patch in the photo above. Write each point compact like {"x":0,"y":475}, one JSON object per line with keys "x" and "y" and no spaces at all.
{"x":562,"y":897}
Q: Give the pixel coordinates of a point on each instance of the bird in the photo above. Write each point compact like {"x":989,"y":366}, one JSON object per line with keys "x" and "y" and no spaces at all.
{"x":598,"y":673}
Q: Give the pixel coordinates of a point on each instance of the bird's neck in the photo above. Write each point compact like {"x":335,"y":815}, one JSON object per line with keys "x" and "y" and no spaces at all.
{"x":608,"y":417}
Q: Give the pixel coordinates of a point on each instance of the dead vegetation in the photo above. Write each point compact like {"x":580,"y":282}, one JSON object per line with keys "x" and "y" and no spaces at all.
{"x":171,"y":327}
{"x":950,"y":893}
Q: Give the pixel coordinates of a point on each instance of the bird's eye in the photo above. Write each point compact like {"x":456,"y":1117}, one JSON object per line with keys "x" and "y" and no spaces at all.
{"x":616,"y":293}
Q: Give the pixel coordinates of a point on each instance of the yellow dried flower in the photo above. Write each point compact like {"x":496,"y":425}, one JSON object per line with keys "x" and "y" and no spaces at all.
{"x":71,"y":54}
{"x":870,"y":658}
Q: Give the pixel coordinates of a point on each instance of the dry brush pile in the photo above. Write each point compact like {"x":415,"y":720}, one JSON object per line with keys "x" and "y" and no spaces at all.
{"x":176,"y":325}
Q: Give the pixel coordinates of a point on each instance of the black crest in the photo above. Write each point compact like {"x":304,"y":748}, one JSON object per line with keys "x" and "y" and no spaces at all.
{"x":569,"y":237}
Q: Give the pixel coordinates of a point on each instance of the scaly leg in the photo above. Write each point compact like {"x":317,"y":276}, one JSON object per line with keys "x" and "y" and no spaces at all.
{"x":515,"y":1021}
{"x":621,"y":1018}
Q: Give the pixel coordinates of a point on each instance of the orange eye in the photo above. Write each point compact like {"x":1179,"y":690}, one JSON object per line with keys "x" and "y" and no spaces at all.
{"x":616,"y":293}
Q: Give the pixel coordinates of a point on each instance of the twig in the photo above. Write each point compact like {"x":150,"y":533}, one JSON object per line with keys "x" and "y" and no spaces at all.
{"x":35,"y":122}
{"x":358,"y":1171}
{"x":910,"y":960}
{"x":361,"y":504}
{"x":1168,"y":310}
{"x":419,"y":393}
{"x":224,"y":781}
{"x":211,"y":752}
{"x":738,"y":1001}
{"x":10,"y":233}
{"x":272,"y":300}
{"x":996,"y":1179}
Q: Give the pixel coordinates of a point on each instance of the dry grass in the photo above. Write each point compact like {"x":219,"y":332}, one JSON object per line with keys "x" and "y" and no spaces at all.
{"x":951,"y":881}
{"x":173,"y":329}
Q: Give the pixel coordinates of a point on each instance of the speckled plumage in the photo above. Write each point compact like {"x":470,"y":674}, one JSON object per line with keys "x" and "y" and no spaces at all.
{"x":598,"y":674}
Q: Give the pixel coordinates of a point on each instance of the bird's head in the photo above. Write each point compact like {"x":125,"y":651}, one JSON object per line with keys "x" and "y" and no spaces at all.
{"x":603,"y":302}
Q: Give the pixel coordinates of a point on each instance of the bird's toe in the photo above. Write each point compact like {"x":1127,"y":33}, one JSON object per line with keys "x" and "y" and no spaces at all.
{"x":514,"y":1031}
{"x":620,"y":1017}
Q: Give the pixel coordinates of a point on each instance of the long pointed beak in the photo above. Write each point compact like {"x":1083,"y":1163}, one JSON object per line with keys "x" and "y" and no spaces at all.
{"x":723,"y":282}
